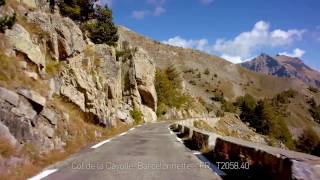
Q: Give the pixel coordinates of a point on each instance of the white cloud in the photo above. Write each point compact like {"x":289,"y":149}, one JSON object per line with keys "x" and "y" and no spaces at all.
{"x":159,"y":11}
{"x":156,"y":2}
{"x":259,"y":37}
{"x":206,"y":1}
{"x":200,"y":44}
{"x":296,"y":53}
{"x":157,"y":7}
{"x":246,"y":44}
{"x":233,"y":59}
{"x":140,"y":14}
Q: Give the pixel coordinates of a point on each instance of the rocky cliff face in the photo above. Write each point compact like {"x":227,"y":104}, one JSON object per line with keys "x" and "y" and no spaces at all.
{"x":284,"y":66}
{"x":58,"y":66}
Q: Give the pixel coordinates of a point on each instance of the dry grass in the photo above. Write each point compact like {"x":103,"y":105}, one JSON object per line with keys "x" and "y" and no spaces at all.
{"x":81,"y":132}
{"x":201,"y":124}
{"x":52,"y":67}
{"x":12,"y":76}
{"x":6,"y":149}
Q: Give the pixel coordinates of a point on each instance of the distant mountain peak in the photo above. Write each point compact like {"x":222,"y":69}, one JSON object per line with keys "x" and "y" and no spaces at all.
{"x":283,"y":66}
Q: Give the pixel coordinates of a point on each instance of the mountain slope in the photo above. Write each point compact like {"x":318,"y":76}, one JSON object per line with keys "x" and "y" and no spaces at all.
{"x":233,"y":79}
{"x":284,"y":66}
{"x":222,"y":76}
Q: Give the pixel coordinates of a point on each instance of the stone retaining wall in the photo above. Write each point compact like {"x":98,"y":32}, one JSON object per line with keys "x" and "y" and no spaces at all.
{"x":265,"y":161}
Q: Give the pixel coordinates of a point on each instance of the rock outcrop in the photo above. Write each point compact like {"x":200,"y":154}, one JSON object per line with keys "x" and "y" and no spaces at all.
{"x":101,"y":86}
{"x":145,"y":76}
{"x":62,"y":36}
{"x":22,"y":121}
{"x":20,"y":40}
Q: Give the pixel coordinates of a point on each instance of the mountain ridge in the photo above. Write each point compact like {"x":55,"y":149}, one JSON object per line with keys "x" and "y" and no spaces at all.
{"x":284,"y":66}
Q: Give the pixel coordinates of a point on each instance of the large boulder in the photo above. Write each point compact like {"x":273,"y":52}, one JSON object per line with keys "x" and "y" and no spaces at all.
{"x":9,"y":96}
{"x":24,"y":110}
{"x":50,"y":115}
{"x":19,"y":38}
{"x":74,"y":95}
{"x":64,"y":37}
{"x":145,"y":76}
{"x":92,"y":82}
{"x":148,"y":114}
{"x":5,"y":133}
{"x":110,"y":69}
{"x":33,"y":97}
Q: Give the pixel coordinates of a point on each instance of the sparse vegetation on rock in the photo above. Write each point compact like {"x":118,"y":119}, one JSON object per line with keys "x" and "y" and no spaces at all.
{"x":314,"y":110}
{"x":96,"y":20}
{"x":6,"y":21}
{"x":137,"y":116}
{"x":264,"y":117}
{"x":206,"y":72}
{"x":313,"y":89}
{"x":309,"y":142}
{"x":6,"y":149}
{"x":169,"y":90}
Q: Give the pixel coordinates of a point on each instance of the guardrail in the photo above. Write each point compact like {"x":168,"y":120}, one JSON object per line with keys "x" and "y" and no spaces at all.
{"x":263,"y":161}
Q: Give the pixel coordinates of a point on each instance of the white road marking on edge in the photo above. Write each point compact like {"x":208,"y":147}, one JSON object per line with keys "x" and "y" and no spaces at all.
{"x":196,"y":153}
{"x":171,"y":132}
{"x":131,"y":129}
{"x":43,"y":174}
{"x":180,"y":140}
{"x":123,"y":133}
{"x":100,"y":144}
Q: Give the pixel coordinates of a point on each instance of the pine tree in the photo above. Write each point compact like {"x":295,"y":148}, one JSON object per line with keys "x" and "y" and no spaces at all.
{"x":103,"y":30}
{"x":78,"y":10}
{"x":262,"y":117}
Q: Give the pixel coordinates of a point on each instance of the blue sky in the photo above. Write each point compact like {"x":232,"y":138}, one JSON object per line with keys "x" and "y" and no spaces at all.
{"x":234,"y":29}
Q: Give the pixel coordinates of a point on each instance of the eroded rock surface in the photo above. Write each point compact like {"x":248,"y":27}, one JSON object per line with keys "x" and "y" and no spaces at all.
{"x":19,"y":38}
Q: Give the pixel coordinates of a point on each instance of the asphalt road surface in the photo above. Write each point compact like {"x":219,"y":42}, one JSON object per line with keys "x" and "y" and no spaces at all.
{"x":147,"y":152}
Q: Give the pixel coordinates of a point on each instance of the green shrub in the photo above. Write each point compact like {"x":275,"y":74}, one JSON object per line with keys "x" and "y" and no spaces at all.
{"x":313,"y":89}
{"x":284,"y":97}
{"x":264,"y":117}
{"x":70,"y":9}
{"x":201,"y":124}
{"x":169,"y":90}
{"x":6,"y":22}
{"x":125,"y":54}
{"x":137,"y":116}
{"x":193,"y":82}
{"x":191,"y":70}
{"x":198,"y":75}
{"x":309,"y":142}
{"x":207,"y":72}
{"x":218,"y":97}
{"x":228,"y":107}
{"x":219,"y":113}
{"x":314,"y":110}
